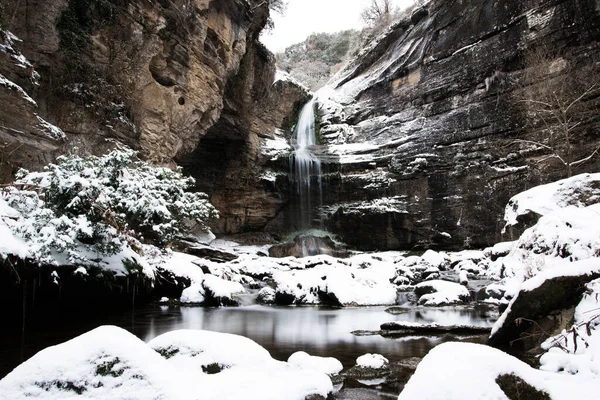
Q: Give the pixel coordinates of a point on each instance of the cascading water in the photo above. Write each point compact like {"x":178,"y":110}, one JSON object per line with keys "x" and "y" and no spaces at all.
{"x":306,"y":169}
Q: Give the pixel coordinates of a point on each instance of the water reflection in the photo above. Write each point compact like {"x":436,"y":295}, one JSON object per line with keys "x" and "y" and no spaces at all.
{"x":320,"y":331}
{"x":281,"y":330}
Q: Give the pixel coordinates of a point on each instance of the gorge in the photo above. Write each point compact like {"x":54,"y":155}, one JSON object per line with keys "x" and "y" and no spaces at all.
{"x":439,"y":193}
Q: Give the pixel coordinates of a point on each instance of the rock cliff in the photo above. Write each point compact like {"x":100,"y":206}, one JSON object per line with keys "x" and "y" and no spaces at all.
{"x":426,"y":134}
{"x":182,"y":81}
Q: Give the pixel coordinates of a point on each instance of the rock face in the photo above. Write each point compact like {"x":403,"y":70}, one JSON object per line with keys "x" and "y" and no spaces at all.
{"x":247,"y":183}
{"x":425,"y":137}
{"x":26,"y":138}
{"x":151,"y":74}
{"x":182,"y":81}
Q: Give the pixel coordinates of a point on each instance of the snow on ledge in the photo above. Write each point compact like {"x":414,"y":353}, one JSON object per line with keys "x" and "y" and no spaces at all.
{"x":580,"y":190}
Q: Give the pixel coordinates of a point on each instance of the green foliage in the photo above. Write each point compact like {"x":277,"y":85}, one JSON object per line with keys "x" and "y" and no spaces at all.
{"x":86,"y":207}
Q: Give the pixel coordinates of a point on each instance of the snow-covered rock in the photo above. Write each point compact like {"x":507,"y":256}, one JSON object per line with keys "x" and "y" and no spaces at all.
{"x":436,"y":259}
{"x":441,"y":293}
{"x":580,"y":191}
{"x":562,"y":236}
{"x":340,"y":284}
{"x":110,"y":363}
{"x":107,"y":362}
{"x":327,"y":365}
{"x":465,"y":371}
{"x":374,"y":361}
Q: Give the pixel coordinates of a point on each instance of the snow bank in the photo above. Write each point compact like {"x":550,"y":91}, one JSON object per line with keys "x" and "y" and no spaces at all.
{"x":577,"y":351}
{"x":110,"y":363}
{"x":578,"y":268}
{"x":562,"y":236}
{"x":238,"y":368}
{"x":465,"y":371}
{"x":581,"y":190}
{"x":344,"y":284}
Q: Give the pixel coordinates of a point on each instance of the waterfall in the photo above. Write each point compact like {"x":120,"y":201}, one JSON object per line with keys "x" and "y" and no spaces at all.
{"x":306,"y":169}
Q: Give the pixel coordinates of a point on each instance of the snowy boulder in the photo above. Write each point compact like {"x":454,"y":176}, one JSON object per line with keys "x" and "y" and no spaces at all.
{"x":465,"y":371}
{"x":369,"y":366}
{"x":571,"y":233}
{"x":106,"y":363}
{"x":526,"y":207}
{"x":205,"y":350}
{"x":373,"y":361}
{"x":544,"y":304}
{"x":441,"y":293}
{"x":327,"y":365}
{"x":220,"y":292}
{"x":266,"y":295}
{"x":435,"y":259}
{"x":234,"y":367}
{"x":431,"y":273}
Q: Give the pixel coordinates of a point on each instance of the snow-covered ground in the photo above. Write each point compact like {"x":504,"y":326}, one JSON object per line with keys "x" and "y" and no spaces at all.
{"x":563,"y":243}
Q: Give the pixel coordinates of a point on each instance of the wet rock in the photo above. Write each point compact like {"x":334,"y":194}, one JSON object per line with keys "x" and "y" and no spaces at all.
{"x":397,"y":329}
{"x":210,"y":253}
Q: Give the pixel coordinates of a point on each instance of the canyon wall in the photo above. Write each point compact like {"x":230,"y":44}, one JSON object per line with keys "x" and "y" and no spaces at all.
{"x":434,"y":126}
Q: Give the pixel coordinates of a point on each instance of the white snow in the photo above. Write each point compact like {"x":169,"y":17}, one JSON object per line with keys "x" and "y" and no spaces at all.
{"x":110,"y":363}
{"x":140,"y":373}
{"x":577,"y":268}
{"x":13,"y":86}
{"x":464,"y":371}
{"x":326,"y":365}
{"x":435,"y":259}
{"x":374,"y":361}
{"x":275,"y":148}
{"x":285,"y":77}
{"x":577,"y":191}
{"x":357,"y":284}
{"x":444,"y":293}
{"x":563,"y":356}
{"x":561,"y":236}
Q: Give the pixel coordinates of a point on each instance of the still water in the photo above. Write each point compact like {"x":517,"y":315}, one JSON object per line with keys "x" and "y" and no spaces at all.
{"x":281,"y":330}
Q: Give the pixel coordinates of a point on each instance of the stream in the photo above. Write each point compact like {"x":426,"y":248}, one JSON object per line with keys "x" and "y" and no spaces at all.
{"x":321,"y":331}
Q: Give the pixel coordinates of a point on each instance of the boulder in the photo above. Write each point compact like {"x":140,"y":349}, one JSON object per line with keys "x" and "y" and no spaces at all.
{"x":544,"y":306}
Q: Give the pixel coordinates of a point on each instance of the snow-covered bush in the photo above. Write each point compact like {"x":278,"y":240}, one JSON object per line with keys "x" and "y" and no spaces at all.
{"x":80,"y":209}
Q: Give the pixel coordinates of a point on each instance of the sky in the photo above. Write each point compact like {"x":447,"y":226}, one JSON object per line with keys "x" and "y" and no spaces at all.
{"x":303,"y":17}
